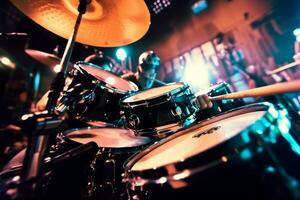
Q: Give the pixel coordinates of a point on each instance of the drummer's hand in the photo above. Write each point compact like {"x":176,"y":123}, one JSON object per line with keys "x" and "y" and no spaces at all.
{"x":203,"y":101}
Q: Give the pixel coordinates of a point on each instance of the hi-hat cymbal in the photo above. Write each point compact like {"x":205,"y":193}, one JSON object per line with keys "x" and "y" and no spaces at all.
{"x":106,"y":23}
{"x":44,"y":58}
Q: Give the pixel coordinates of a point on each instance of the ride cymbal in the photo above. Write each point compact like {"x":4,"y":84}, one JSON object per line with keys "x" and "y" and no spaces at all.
{"x":106,"y":23}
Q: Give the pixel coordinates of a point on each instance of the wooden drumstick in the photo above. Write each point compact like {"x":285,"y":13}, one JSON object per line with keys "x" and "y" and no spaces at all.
{"x":284,"y":67}
{"x":277,"y":88}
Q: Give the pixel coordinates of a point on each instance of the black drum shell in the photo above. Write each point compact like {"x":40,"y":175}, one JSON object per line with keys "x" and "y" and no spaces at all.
{"x":219,"y":106}
{"x":106,"y":104}
{"x":147,"y":116}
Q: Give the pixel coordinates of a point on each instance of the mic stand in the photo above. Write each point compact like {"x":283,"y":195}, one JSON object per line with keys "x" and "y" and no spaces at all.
{"x":34,"y":126}
{"x":33,"y":163}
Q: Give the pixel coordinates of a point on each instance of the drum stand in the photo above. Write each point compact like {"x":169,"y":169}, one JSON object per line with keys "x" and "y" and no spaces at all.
{"x":34,"y":125}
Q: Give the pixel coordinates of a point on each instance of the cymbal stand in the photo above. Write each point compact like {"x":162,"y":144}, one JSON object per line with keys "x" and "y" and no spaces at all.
{"x":34,"y":158}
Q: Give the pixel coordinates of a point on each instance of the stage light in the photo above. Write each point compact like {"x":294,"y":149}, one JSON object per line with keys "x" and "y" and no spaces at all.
{"x":196,"y":76}
{"x":7,"y":62}
{"x":160,"y":5}
{"x":36,"y":81}
{"x":199,"y":6}
{"x":196,"y":71}
{"x":121,"y":54}
{"x":296,"y":32}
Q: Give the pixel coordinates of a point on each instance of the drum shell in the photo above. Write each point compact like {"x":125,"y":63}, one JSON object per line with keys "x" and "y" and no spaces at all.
{"x":146,"y":117}
{"x":105,"y":106}
{"x":219,"y":106}
{"x":235,"y":169}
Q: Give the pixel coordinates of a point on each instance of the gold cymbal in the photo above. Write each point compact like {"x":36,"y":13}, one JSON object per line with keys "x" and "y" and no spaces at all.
{"x":47,"y":59}
{"x":106,"y":23}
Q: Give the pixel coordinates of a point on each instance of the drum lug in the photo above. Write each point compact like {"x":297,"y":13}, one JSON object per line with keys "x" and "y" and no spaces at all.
{"x":177,"y":112}
{"x":134,"y":120}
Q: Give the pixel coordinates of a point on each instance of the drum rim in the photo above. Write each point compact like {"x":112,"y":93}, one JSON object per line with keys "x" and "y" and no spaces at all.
{"x":116,"y":150}
{"x":156,"y":174}
{"x":173,"y":92}
{"x":214,"y":87}
{"x":80,"y":66}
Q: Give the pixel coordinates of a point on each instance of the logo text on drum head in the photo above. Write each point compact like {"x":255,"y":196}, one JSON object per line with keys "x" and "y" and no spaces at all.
{"x":209,"y":131}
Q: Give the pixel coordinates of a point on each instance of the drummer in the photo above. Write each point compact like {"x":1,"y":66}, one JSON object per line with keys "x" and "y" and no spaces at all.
{"x":146,"y":72}
{"x":100,"y":60}
{"x":144,"y":77}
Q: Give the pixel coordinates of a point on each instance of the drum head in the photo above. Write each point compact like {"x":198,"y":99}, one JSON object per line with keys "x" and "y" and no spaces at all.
{"x":196,"y":140}
{"x":153,"y":93}
{"x":109,"y":78}
{"x":107,"y":137}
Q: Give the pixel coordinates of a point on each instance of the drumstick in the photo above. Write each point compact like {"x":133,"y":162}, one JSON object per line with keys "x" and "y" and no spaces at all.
{"x":277,"y":88}
{"x":284,"y":67}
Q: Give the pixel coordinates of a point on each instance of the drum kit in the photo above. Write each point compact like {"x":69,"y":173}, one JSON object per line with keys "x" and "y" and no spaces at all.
{"x":152,"y":144}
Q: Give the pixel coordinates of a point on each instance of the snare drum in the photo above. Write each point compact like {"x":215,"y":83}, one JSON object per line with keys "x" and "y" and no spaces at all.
{"x":108,"y":89}
{"x":159,"y":111}
{"x":236,"y":155}
{"x":219,"y":106}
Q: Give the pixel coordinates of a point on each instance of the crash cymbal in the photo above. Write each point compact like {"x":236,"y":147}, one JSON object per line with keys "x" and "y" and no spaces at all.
{"x":106,"y":23}
{"x":47,"y":59}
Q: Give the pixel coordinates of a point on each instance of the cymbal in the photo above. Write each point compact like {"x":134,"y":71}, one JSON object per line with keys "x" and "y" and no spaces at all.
{"x":106,"y":23}
{"x":44,"y":58}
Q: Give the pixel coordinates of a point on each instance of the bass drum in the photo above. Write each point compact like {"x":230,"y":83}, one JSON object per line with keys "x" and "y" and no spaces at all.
{"x":241,"y":154}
